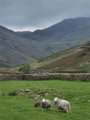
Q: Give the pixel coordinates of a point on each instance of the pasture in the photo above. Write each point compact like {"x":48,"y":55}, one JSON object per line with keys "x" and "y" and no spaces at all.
{"x":20,"y":107}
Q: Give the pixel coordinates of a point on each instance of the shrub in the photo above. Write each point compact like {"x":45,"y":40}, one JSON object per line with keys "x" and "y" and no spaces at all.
{"x":13,"y":93}
{"x":25,"y":69}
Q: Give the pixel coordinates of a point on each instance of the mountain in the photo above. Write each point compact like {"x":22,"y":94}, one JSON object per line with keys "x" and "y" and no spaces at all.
{"x":75,"y":59}
{"x":63,"y":35}
{"x":17,"y":48}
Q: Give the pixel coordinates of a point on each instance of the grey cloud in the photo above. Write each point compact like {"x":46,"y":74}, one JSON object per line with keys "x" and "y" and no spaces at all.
{"x":40,"y":13}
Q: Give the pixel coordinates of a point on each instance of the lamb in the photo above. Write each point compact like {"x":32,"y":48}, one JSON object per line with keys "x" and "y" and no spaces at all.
{"x":63,"y":105}
{"x":44,"y":104}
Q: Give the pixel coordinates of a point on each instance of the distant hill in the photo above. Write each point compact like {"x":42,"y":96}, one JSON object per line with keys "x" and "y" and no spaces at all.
{"x":63,"y":35}
{"x":75,"y":59}
{"x":18,"y":48}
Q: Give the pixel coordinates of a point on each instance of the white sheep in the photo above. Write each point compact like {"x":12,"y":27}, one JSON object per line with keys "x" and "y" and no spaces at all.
{"x":63,"y":105}
{"x":44,"y":104}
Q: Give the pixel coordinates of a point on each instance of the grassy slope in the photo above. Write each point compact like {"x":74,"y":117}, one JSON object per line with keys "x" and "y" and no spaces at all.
{"x":77,"y":58}
{"x":54,"y":57}
{"x":21,"y":107}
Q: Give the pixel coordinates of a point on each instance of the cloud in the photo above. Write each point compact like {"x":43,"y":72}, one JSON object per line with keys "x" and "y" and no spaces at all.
{"x":40,"y":13}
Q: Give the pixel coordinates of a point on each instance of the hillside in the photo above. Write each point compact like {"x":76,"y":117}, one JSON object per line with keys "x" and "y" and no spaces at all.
{"x":17,"y":48}
{"x":63,"y":35}
{"x":75,"y":59}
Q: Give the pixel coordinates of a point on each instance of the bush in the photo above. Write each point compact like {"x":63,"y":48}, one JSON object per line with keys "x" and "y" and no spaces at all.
{"x":25,"y":69}
{"x":14,"y":93}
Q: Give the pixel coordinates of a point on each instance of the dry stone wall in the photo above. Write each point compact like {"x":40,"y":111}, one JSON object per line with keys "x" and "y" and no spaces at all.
{"x":47,"y":76}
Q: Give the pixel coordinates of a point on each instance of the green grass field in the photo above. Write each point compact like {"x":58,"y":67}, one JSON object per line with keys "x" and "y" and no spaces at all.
{"x":21,"y":107}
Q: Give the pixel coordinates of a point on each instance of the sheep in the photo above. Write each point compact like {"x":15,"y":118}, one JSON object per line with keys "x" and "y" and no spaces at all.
{"x":63,"y":105}
{"x":44,"y":104}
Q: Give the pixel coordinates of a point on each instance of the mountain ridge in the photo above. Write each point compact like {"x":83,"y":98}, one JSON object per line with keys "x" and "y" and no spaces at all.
{"x":17,"y":48}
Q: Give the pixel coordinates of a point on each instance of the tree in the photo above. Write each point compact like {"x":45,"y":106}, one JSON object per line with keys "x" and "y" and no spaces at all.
{"x":25,"y":69}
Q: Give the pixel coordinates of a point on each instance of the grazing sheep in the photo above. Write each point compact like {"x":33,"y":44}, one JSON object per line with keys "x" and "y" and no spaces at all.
{"x":44,"y":104}
{"x":61,"y":104}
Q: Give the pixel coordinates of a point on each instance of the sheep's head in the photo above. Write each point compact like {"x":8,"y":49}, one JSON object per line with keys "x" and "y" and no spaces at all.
{"x":55,"y":100}
{"x":43,"y":100}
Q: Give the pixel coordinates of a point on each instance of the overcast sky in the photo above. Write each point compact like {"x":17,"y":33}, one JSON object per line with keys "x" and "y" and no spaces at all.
{"x":39,"y":14}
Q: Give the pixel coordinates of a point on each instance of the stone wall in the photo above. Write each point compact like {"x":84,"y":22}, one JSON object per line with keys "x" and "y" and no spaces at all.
{"x":47,"y":76}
